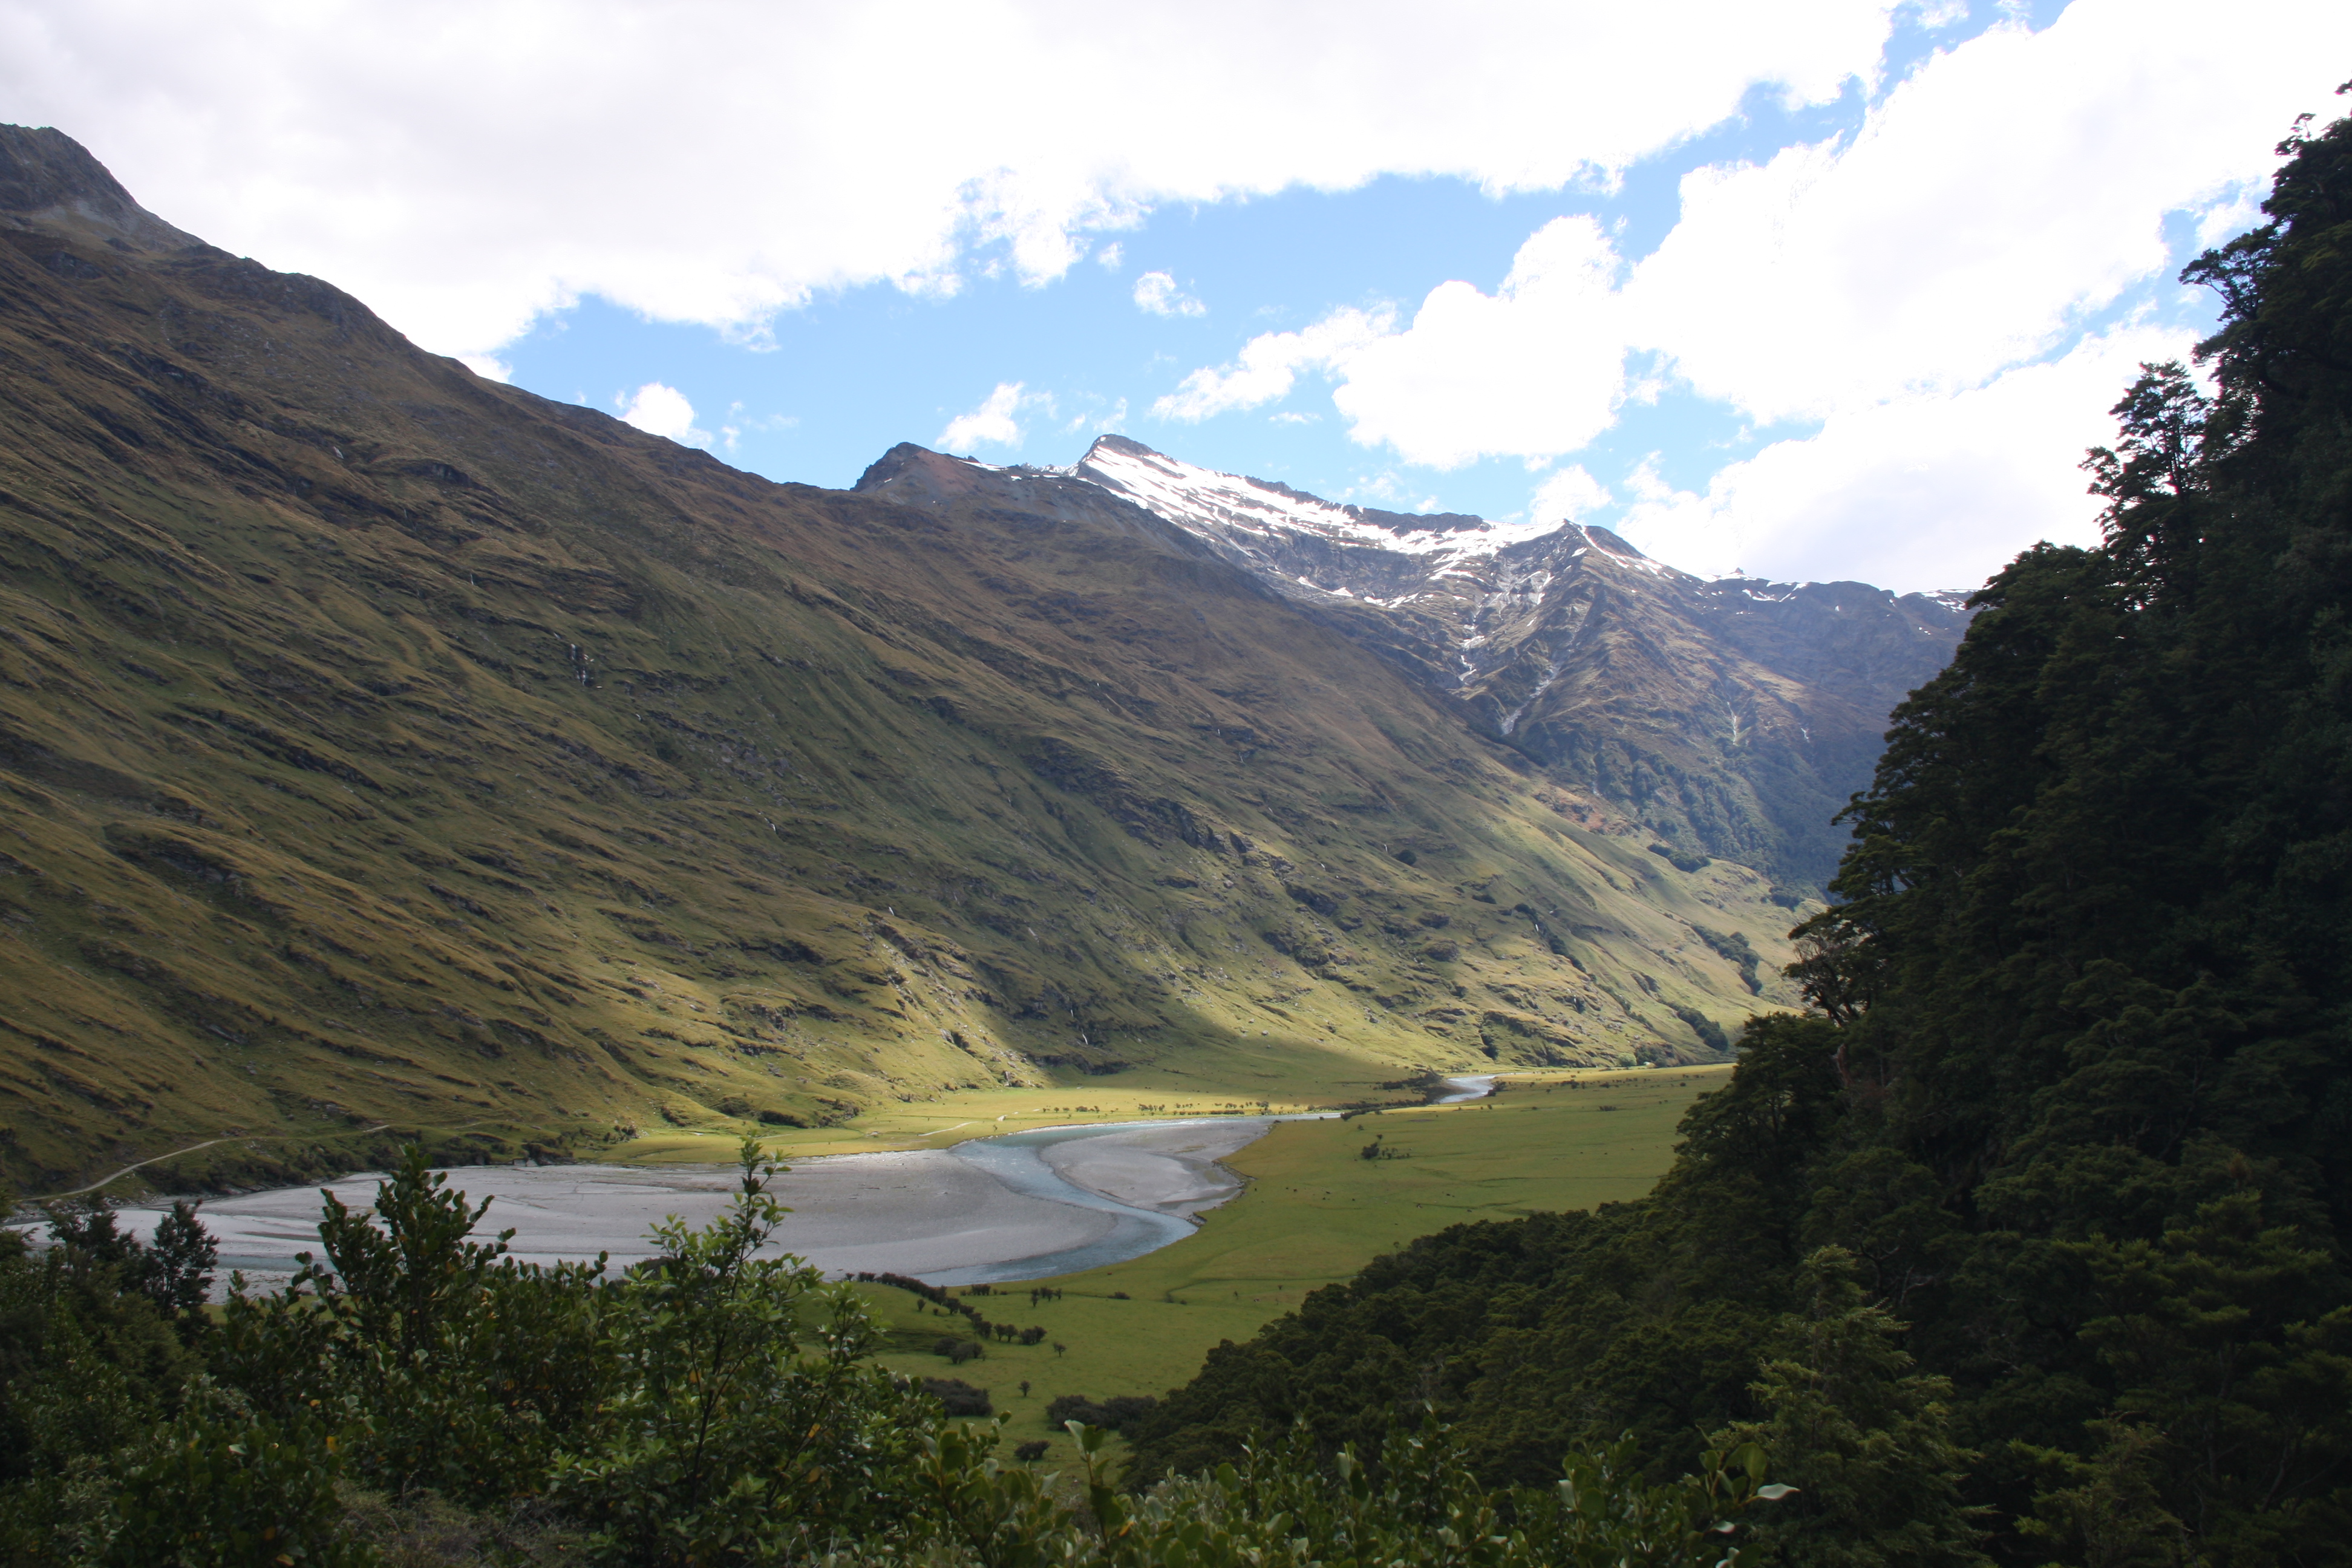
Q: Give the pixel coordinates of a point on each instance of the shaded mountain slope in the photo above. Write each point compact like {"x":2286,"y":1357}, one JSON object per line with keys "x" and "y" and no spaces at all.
{"x":1736,"y":716}
{"x":380,"y":744}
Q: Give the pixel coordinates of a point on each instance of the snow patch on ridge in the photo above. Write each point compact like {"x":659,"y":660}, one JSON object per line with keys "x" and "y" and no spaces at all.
{"x":1191,"y":497}
{"x":1472,"y":585}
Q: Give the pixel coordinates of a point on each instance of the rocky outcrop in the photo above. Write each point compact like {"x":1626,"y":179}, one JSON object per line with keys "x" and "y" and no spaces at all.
{"x":49,"y":182}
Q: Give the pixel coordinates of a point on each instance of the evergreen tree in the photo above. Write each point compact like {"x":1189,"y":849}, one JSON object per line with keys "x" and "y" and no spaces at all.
{"x":2075,"y":1098}
{"x":1873,"y":1461}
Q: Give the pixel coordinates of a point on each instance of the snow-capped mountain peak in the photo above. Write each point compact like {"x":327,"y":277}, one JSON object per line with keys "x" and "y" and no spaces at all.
{"x":1737,"y":713}
{"x":1207,"y":500}
{"x":1473,"y":572}
{"x":1733,"y":717}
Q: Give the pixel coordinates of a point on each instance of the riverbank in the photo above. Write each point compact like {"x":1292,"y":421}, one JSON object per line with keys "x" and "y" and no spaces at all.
{"x":951,"y":1214}
{"x":1046,"y":1202}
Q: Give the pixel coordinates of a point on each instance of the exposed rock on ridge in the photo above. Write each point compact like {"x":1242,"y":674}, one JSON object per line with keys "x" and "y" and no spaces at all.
{"x":49,"y":182}
{"x":1733,"y":717}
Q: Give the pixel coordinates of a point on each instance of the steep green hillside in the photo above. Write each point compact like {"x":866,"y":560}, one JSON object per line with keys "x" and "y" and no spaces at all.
{"x":383,"y":745}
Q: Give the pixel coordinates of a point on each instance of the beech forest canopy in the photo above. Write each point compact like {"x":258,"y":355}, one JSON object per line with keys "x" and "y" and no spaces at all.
{"x":2026,"y":1242}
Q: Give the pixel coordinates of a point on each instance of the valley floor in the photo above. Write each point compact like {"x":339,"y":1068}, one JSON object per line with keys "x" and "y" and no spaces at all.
{"x":1313,"y":1208}
{"x":1313,"y":1213}
{"x":930,"y":1213}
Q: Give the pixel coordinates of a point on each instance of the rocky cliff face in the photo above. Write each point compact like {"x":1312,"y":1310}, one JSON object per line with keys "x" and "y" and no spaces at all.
{"x":380,"y":744}
{"x":1733,"y":717}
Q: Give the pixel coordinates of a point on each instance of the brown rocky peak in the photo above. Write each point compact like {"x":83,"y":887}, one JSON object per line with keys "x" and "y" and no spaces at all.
{"x":1614,"y":543}
{"x":911,"y":474}
{"x":48,"y":181}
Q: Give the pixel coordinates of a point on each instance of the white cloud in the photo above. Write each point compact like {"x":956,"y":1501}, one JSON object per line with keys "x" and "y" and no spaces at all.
{"x":1111,"y":256}
{"x":1390,"y":488}
{"x":2013,"y":184}
{"x":994,"y":423}
{"x":1535,"y":369}
{"x":731,"y":433}
{"x":1157,"y":294}
{"x":1269,"y":365}
{"x":1921,"y":491}
{"x":465,"y":165}
{"x":1099,"y":420}
{"x":1918,"y":291}
{"x":660,"y":410}
{"x":1566,"y":495}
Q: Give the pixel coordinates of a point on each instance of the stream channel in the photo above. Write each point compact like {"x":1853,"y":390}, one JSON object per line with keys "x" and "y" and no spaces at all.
{"x":1021,"y":1206}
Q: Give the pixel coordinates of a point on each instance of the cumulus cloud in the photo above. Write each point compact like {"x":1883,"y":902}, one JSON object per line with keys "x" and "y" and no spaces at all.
{"x":1921,"y":491}
{"x":1916,"y":293}
{"x":1533,"y":370}
{"x":660,"y":410}
{"x":1269,"y":365}
{"x":995,"y":423}
{"x":1157,"y":294}
{"x":1566,"y":495}
{"x":2014,"y":184}
{"x":454,"y":162}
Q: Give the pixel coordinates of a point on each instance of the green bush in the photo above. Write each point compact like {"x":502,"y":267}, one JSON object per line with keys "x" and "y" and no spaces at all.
{"x":228,"y":1487}
{"x":419,"y":1388}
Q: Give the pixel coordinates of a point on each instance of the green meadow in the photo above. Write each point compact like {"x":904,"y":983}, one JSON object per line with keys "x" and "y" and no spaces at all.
{"x":1315,"y":1211}
{"x":951,"y":1118}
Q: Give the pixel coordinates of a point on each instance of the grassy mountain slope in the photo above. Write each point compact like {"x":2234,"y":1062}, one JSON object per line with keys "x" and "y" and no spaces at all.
{"x":383,"y":745}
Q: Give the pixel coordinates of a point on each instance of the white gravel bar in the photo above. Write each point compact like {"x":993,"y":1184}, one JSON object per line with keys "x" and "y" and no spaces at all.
{"x":1025,"y":1206}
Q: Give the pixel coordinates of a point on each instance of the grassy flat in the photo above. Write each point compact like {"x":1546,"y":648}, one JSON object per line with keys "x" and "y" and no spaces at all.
{"x":953,"y":1117}
{"x":1314,"y":1213}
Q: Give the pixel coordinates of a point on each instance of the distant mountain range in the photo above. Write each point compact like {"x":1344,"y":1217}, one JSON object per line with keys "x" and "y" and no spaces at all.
{"x":1732,"y":717}
{"x":380,"y":744}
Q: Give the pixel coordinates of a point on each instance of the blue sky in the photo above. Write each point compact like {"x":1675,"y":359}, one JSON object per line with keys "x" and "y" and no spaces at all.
{"x":1839,"y":288}
{"x":831,"y":386}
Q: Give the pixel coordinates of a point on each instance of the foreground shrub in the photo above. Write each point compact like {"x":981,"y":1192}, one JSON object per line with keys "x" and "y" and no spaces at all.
{"x":419,"y":1396}
{"x":1413,"y":1501}
{"x":725,"y":1439}
{"x":228,"y":1487}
